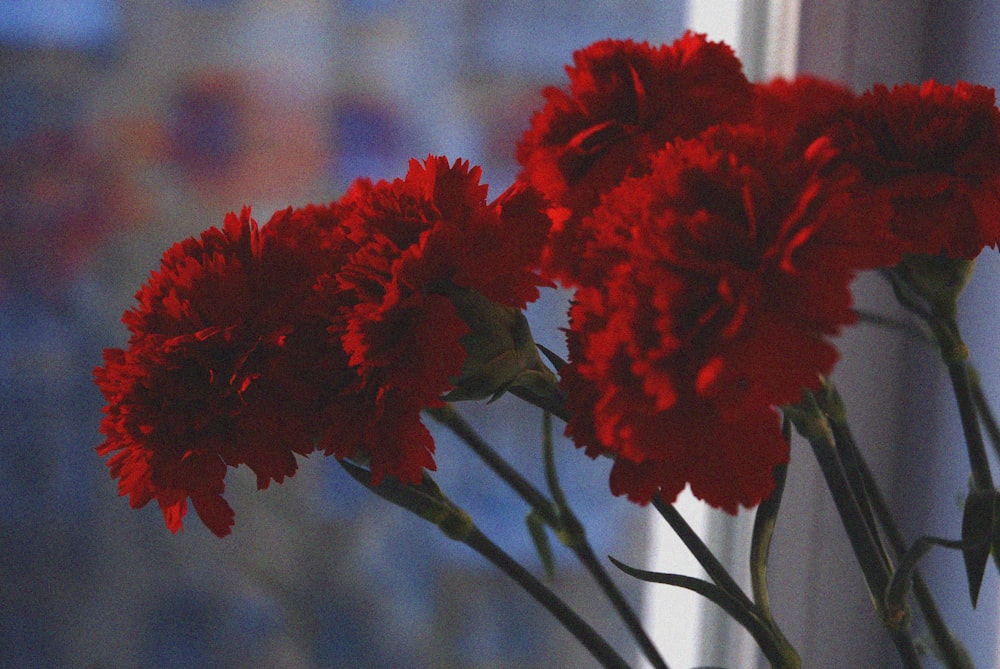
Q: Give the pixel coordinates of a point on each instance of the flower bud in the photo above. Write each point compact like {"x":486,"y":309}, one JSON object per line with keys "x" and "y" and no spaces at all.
{"x":937,"y":279}
{"x":500,"y":351}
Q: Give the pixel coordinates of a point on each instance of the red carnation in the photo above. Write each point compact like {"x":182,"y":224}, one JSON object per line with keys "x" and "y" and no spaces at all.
{"x":435,"y":265}
{"x":213,"y":375}
{"x":625,"y":101}
{"x":708,"y":293}
{"x":935,"y":150}
{"x":804,"y":107}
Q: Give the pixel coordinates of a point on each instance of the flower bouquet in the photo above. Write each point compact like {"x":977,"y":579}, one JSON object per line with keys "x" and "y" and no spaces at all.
{"x":709,"y":229}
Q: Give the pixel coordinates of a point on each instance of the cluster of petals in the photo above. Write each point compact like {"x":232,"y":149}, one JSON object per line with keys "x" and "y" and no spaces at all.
{"x":724,"y":271}
{"x":212,"y":376}
{"x":804,"y":108}
{"x":712,"y":247}
{"x":935,"y":150}
{"x":624,"y":102}
{"x":710,"y":227}
{"x":423,"y":242}
{"x":330,"y":327}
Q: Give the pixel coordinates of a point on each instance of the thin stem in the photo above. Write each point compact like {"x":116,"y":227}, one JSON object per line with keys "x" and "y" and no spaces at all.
{"x":984,"y":410}
{"x":873,"y":567}
{"x":907,"y":650}
{"x":853,"y":468}
{"x":940,"y":316}
{"x":577,"y":541}
{"x":549,"y":461}
{"x":556,"y":515}
{"x":950,"y":648}
{"x":702,"y":553}
{"x":978,"y":461}
{"x":600,"y":575}
{"x":779,"y":654}
{"x":952,"y":652}
{"x":428,"y":502}
{"x":451,"y":419}
{"x":584,"y":633}
{"x":763,"y":530}
{"x":760,"y":546}
{"x":814,"y":425}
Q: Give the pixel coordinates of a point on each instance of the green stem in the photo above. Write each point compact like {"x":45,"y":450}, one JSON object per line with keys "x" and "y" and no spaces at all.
{"x":907,"y":650}
{"x":575,"y":537}
{"x":632,"y":622}
{"x":556,"y":515}
{"x":451,"y":419}
{"x":597,"y":646}
{"x":702,"y":553}
{"x":549,"y":462}
{"x":426,"y":501}
{"x":814,"y":425}
{"x":851,"y":463}
{"x":978,"y":461}
{"x":763,"y":531}
{"x":938,"y":310}
{"x":873,"y":567}
{"x":760,"y":546}
{"x":779,"y":655}
{"x":953,"y":653}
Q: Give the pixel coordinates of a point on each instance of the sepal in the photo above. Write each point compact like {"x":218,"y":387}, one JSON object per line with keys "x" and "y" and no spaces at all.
{"x":939,"y":280}
{"x":500,"y":351}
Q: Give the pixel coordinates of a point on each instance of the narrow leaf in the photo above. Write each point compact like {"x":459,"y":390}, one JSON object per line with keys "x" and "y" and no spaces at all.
{"x":749,"y":618}
{"x":902,"y":577}
{"x":978,"y":520}
{"x":706,"y":589}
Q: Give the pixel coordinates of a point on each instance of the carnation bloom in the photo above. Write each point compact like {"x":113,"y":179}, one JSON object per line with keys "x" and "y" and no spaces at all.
{"x":329,"y":327}
{"x":434,"y":267}
{"x":211,"y":376}
{"x":935,"y":150}
{"x":709,"y":290}
{"x":625,"y":101}
{"x":804,"y":107}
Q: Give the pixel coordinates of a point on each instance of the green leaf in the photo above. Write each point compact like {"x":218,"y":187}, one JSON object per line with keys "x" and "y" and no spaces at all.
{"x":902,"y":577}
{"x":706,"y":589}
{"x":775,"y":648}
{"x":536,"y":528}
{"x":978,"y":522}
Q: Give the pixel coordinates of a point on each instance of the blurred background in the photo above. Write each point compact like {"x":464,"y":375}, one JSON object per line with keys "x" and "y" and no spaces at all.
{"x":126,"y":126}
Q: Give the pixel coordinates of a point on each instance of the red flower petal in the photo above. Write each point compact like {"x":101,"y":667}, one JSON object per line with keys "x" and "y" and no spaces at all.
{"x":419,"y":240}
{"x":708,"y":288}
{"x":223,"y":366}
{"x":935,"y":151}
{"x":625,"y":102}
